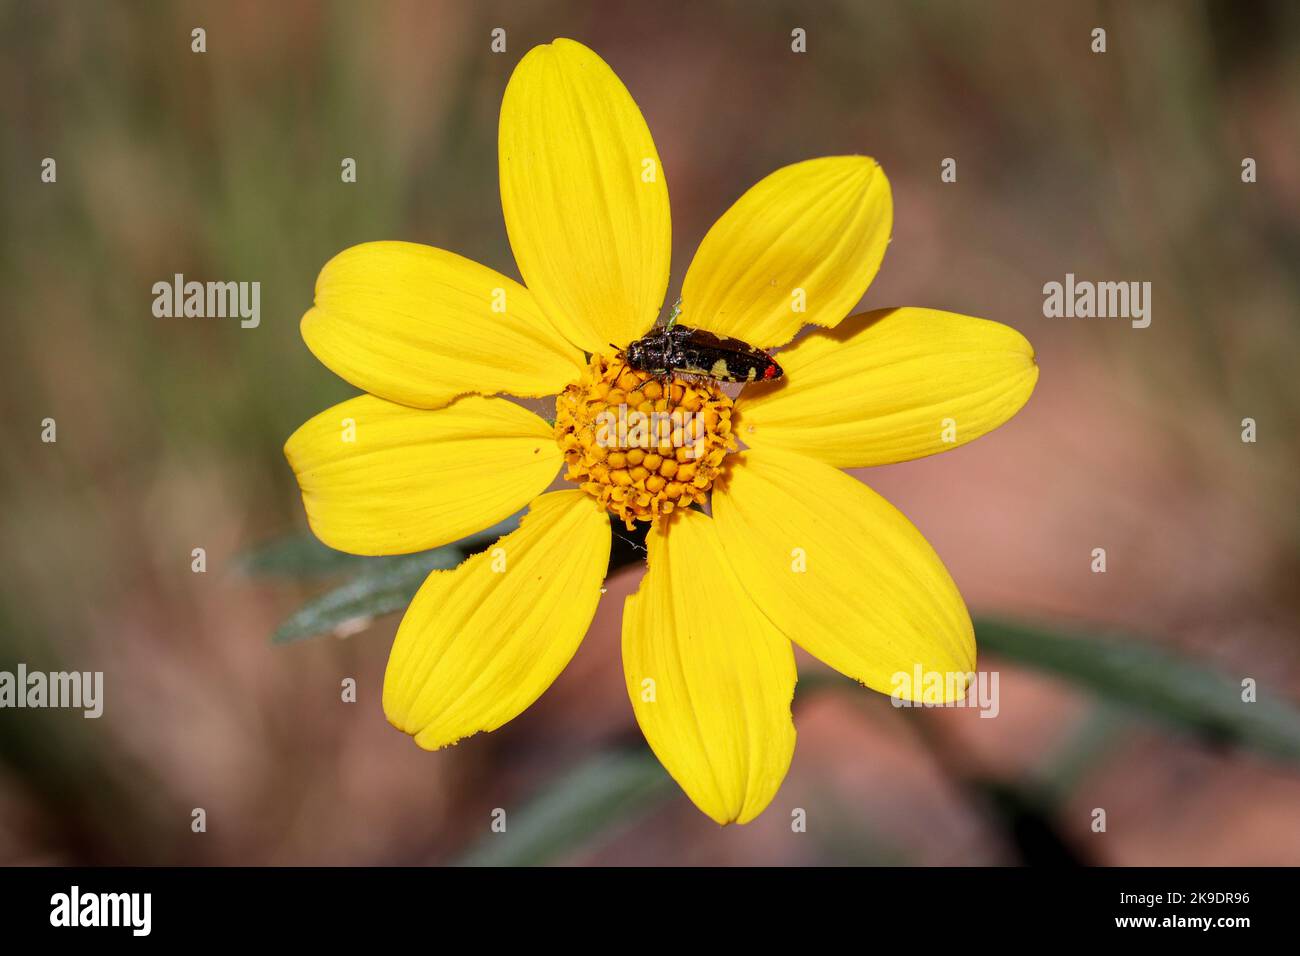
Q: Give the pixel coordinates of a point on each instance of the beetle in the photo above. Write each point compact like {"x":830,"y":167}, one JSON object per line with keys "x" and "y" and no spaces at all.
{"x":682,"y":350}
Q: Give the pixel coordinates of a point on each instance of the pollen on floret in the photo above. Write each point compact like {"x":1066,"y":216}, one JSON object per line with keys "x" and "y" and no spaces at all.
{"x":643,"y":445}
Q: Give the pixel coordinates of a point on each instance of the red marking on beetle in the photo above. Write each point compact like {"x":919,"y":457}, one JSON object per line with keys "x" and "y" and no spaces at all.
{"x":770,"y":371}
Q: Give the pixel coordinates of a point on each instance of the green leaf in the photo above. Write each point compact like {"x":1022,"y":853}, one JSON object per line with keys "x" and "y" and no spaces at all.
{"x":303,"y":555}
{"x":381,"y":589}
{"x":299,"y":555}
{"x":477,"y":542}
{"x":1152,"y":682}
{"x":380,"y":585}
{"x":609,"y":789}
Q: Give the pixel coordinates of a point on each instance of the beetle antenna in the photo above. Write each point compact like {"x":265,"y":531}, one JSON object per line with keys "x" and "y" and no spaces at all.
{"x":673,"y":313}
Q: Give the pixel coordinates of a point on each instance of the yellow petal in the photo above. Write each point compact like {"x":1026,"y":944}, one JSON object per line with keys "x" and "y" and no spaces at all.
{"x":482,"y":642}
{"x":890,"y":386}
{"x":801,"y":246}
{"x":710,"y":678}
{"x":379,"y":478}
{"x":841,"y":572}
{"x":584,"y":196}
{"x":418,"y":326}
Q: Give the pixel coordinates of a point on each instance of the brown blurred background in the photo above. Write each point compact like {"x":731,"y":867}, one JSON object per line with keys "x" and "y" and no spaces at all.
{"x":225,"y":165}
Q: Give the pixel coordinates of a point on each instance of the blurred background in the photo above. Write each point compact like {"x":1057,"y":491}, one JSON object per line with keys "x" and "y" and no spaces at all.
{"x":1118,"y":690}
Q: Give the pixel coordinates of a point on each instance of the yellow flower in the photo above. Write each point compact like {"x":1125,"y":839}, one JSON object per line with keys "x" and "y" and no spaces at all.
{"x":793,"y":550}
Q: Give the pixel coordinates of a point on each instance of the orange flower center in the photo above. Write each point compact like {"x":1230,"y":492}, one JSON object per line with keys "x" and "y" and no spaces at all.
{"x":642,"y":445}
